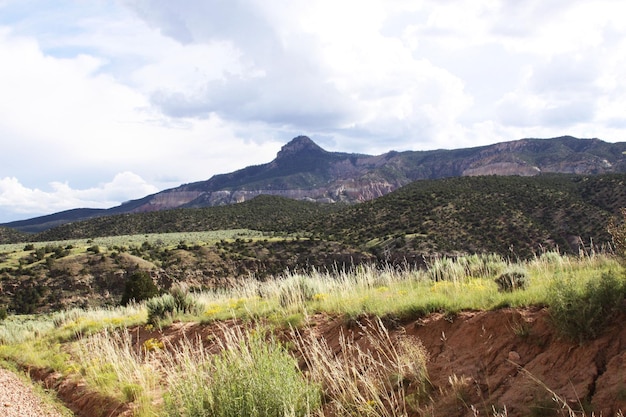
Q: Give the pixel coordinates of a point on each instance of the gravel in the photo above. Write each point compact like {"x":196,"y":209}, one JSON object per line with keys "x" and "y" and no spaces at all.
{"x":18,"y":399}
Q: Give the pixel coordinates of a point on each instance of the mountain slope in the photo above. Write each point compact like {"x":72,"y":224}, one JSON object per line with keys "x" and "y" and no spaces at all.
{"x":265,"y":213}
{"x":513,"y":216}
{"x":9,"y":235}
{"x":304,"y":171}
{"x":510,"y":215}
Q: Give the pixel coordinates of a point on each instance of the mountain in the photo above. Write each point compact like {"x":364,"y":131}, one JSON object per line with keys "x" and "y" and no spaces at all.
{"x":302,"y":170}
{"x":510,"y":215}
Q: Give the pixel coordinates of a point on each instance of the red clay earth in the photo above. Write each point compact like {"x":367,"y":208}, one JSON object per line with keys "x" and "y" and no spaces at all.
{"x":478,"y":360}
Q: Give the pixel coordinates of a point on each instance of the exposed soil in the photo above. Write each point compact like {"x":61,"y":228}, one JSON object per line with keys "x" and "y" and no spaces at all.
{"x":478,"y":361}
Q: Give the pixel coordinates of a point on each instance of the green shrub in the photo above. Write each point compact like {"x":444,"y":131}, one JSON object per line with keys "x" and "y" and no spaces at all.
{"x":139,"y":287}
{"x":184,"y":302}
{"x":178,"y":301}
{"x":94,"y":249}
{"x":581,"y":313}
{"x":160,"y":308}
{"x":511,"y":281}
{"x":3,"y":313}
{"x":482,"y":265}
{"x":253,"y":376}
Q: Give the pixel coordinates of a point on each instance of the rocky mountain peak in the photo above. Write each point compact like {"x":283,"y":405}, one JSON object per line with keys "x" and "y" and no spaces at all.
{"x":299,"y":145}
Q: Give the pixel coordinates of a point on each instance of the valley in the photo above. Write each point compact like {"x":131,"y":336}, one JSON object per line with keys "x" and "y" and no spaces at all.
{"x":495,"y":295}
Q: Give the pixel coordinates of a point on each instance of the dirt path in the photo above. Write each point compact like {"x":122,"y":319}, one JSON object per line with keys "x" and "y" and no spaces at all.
{"x":18,"y":399}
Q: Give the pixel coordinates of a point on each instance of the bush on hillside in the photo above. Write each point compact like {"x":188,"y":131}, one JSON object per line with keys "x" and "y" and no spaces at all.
{"x":177,"y":301}
{"x":296,"y":291}
{"x":581,"y":313}
{"x":139,"y":287}
{"x":511,"y":281}
{"x":253,"y":375}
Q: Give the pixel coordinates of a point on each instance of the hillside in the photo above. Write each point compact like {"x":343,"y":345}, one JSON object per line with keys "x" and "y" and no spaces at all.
{"x":302,"y":170}
{"x":515,"y":217}
{"x":10,"y":235}
{"x":265,"y":213}
{"x":510,"y":215}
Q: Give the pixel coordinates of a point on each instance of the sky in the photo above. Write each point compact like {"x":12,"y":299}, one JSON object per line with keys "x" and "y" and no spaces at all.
{"x":102,"y":101}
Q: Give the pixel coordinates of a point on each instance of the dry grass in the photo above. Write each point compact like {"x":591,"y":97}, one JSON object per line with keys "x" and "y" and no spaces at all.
{"x":372,"y":375}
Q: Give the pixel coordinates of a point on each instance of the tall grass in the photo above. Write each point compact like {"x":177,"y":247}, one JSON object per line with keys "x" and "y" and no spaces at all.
{"x":374,"y":376}
{"x":253,"y":375}
{"x":38,"y":340}
{"x":369,"y":373}
{"x":111,"y":364}
{"x":446,"y":285}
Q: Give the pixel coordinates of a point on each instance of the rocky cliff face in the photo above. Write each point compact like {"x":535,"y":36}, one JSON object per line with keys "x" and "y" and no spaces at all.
{"x":303,"y":170}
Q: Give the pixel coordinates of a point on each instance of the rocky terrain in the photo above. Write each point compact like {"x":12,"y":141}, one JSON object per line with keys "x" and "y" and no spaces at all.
{"x":17,"y":399}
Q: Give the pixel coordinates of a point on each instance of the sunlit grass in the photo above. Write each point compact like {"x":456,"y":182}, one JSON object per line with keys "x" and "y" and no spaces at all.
{"x":13,"y":252}
{"x":112,"y":365}
{"x":88,"y":343}
{"x":403,"y":293}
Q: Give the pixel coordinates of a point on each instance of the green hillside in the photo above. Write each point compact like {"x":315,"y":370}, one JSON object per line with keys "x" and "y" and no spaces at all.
{"x":86,"y":263}
{"x":512,"y":216}
{"x":509,"y":215}
{"x":265,"y":213}
{"x":9,"y":235}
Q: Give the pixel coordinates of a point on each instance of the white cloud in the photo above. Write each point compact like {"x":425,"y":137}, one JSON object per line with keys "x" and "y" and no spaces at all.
{"x":17,"y":198}
{"x":67,"y":119}
{"x":178,"y":91}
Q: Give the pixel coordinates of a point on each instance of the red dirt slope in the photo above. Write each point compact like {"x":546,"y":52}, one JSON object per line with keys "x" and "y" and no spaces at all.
{"x":480,"y":362}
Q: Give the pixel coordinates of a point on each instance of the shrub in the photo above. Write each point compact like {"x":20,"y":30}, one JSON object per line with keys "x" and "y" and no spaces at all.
{"x":94,"y":249}
{"x":254,"y":375}
{"x":581,"y":313}
{"x":139,"y":287}
{"x":446,"y":269}
{"x":178,"y":301}
{"x":183,"y":301}
{"x":3,"y":313}
{"x":160,"y":308}
{"x":511,"y":281}
{"x":482,"y":265}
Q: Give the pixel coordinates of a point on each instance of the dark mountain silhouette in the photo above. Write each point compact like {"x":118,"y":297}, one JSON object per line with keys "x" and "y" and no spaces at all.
{"x":302,"y":170}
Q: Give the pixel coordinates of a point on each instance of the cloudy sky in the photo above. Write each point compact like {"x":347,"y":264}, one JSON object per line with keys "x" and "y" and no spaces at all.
{"x":106,"y":101}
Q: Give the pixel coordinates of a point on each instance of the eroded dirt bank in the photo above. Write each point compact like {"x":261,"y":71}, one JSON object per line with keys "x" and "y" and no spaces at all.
{"x":478,"y":361}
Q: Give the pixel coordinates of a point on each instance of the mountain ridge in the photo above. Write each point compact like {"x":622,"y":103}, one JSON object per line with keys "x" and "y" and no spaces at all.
{"x":303,"y":170}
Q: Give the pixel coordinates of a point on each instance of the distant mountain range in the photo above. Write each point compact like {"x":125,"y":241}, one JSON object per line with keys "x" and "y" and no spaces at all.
{"x":302,"y":170}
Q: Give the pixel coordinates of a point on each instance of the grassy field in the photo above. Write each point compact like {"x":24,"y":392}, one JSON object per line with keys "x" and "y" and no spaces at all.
{"x":164,"y":239}
{"x":11,"y":253}
{"x":193,"y":380}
